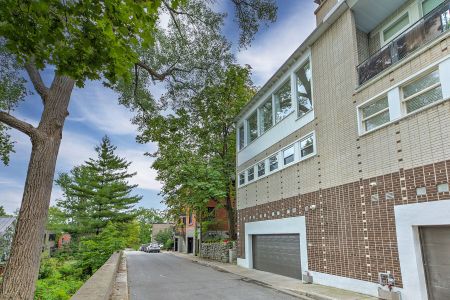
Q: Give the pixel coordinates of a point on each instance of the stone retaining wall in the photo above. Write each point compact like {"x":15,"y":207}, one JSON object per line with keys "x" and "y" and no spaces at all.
{"x":216,"y":251}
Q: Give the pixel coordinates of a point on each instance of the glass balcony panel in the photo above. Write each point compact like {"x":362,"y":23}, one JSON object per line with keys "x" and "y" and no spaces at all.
{"x":422,"y":32}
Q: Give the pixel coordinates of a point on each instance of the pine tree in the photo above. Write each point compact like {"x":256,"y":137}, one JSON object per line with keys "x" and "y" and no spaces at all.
{"x":98,"y":192}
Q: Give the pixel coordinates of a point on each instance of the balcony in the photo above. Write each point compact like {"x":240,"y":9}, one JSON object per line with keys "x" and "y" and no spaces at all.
{"x":430,"y":27}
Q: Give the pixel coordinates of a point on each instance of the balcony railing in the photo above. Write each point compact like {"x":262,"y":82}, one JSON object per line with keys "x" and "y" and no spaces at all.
{"x":422,"y":32}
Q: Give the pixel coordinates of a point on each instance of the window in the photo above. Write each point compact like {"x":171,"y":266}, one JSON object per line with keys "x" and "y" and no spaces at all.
{"x":303,"y":86}
{"x":250,"y":174}
{"x":283,"y":103}
{"x":252,"y":127}
{"x":261,"y":168}
{"x":211,"y":214}
{"x":273,"y":163}
{"x":307,"y":146}
{"x":288,"y":155}
{"x":375,"y":114}
{"x":396,"y":27}
{"x":241,"y":137}
{"x":191,"y":219}
{"x":265,"y":113}
{"x":422,"y":92}
{"x":241,"y":178}
{"x":429,"y":5}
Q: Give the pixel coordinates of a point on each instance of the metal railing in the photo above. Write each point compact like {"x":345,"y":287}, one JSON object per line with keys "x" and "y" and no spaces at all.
{"x":417,"y":35}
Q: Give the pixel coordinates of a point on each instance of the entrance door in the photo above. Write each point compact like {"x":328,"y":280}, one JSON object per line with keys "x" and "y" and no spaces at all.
{"x":277,"y":253}
{"x":176,"y":244}
{"x":190,"y":245}
{"x":435,"y":242}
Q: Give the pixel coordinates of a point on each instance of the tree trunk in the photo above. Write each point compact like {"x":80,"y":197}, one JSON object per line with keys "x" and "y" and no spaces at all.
{"x":22,"y":269}
{"x":231,"y":215}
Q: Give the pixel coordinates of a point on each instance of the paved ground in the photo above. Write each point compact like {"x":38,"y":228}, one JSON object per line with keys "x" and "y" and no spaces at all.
{"x":166,"y":277}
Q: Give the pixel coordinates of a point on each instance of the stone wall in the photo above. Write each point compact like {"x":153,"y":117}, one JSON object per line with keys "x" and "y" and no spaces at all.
{"x":216,"y":251}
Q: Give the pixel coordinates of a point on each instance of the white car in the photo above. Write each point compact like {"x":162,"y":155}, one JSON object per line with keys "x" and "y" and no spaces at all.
{"x":153,"y":248}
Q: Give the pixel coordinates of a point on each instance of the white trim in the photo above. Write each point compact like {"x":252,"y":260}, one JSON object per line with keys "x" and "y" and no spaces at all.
{"x":297,"y":158}
{"x":346,"y":283}
{"x":280,"y":226}
{"x":408,"y":218}
{"x":394,"y":94}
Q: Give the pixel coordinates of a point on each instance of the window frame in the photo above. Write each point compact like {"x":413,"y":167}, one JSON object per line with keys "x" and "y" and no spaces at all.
{"x":364,"y":119}
{"x":391,"y":24}
{"x":281,"y":86}
{"x":252,"y":168}
{"x":240,"y":147}
{"x":279,"y":160}
{"x":263,"y":163}
{"x":248,"y":142}
{"x":239,"y":176}
{"x":303,"y":64}
{"x":292,"y":146}
{"x":314,"y":152}
{"x":404,"y":100}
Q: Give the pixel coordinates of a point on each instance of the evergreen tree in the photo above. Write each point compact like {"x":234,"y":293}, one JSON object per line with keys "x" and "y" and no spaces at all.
{"x":98,"y":192}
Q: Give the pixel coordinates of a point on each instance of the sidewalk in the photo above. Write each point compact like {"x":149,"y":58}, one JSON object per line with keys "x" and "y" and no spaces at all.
{"x":291,"y":286}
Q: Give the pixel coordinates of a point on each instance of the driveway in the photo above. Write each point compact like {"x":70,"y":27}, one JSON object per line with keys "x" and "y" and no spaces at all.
{"x":166,"y":277}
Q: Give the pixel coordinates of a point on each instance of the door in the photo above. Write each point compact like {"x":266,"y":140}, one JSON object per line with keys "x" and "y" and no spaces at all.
{"x":435,"y":241}
{"x":190,"y":244}
{"x":277,"y":253}
{"x":176,"y":244}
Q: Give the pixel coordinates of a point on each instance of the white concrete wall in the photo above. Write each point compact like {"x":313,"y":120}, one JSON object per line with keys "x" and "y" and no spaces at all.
{"x":408,"y":219}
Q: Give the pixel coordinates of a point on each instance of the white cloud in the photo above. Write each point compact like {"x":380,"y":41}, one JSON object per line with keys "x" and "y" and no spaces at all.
{"x":270,"y":49}
{"x":75,"y":149}
{"x":11,"y":198}
{"x":146,"y":176}
{"x":98,"y":107}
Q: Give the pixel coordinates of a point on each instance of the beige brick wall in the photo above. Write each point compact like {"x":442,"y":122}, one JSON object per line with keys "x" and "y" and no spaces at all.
{"x":323,"y":9}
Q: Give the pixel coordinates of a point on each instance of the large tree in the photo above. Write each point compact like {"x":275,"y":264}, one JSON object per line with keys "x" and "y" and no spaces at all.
{"x":105,"y":39}
{"x":97,"y":192}
{"x":196,"y":145}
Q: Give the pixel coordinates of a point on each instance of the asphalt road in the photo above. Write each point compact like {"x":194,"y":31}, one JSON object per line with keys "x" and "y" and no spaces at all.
{"x":162,"y":276}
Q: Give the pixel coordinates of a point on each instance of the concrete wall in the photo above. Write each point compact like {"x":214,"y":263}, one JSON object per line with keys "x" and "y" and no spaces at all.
{"x":99,"y":286}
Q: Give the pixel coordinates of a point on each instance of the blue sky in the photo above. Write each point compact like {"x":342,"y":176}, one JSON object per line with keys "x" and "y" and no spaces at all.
{"x":94,"y":110}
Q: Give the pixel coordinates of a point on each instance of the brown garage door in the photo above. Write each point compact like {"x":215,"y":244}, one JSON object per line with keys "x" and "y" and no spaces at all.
{"x":436,"y":260}
{"x":277,"y":253}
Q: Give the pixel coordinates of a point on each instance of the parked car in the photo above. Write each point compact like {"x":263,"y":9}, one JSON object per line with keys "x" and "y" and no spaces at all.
{"x":144,"y":247}
{"x":153,"y":248}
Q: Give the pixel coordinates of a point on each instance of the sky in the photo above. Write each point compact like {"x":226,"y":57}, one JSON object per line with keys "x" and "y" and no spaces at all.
{"x":94,"y":110}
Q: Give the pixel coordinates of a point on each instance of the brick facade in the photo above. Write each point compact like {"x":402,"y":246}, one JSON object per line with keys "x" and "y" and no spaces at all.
{"x":350,"y":233}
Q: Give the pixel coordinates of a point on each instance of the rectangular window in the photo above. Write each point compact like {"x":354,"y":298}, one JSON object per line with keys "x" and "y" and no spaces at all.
{"x":283,"y":103}
{"x":303,"y":86}
{"x":252,"y":127}
{"x":265,"y":113}
{"x":250,"y":174}
{"x":242,"y":178}
{"x":288,"y":155}
{"x":273,"y":163}
{"x":396,"y":27}
{"x":261,"y":168}
{"x":191,"y":218}
{"x":241,"y":137}
{"x":422,"y":92}
{"x":429,"y":5}
{"x":375,"y":114}
{"x":307,"y":146}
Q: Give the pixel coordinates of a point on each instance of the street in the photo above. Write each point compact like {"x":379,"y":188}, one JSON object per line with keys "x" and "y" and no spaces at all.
{"x":164,"y":276}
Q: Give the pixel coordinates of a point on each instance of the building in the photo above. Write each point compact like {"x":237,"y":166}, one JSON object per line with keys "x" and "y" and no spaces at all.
{"x":343,"y":156}
{"x":188,"y":229}
{"x":158,"y":227}
{"x":7,"y":225}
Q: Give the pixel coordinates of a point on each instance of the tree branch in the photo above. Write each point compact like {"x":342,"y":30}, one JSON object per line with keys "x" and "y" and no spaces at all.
{"x":37,"y":81}
{"x":20,"y":125}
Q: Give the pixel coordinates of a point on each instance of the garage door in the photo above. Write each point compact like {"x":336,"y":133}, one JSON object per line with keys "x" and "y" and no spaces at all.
{"x":277,"y":253}
{"x":436,"y":259}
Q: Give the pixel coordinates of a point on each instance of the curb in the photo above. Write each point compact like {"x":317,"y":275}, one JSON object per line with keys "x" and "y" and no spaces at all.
{"x":295,"y":294}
